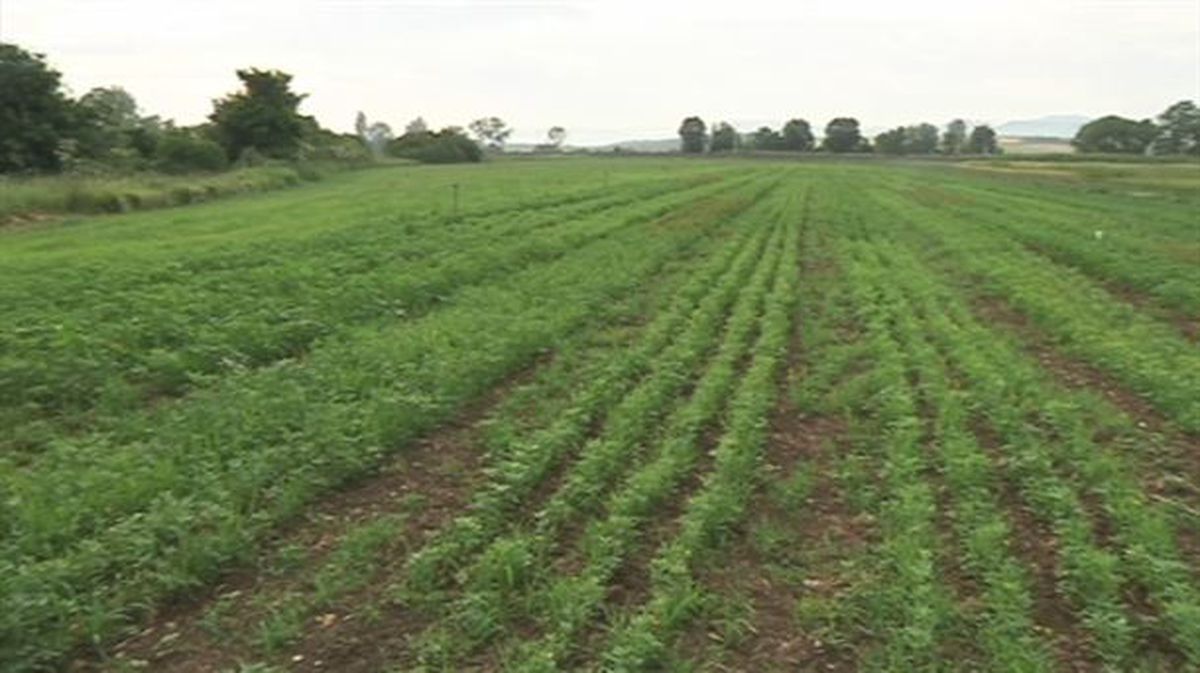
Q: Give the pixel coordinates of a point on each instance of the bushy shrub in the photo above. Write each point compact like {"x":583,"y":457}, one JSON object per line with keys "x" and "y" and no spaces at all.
{"x":84,"y":198}
{"x":448,"y":146}
{"x":325,"y":146}
{"x":182,"y":152}
{"x":252,"y":158}
{"x":308,"y":172}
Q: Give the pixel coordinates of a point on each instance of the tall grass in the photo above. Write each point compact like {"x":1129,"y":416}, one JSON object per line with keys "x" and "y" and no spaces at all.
{"x":24,"y":199}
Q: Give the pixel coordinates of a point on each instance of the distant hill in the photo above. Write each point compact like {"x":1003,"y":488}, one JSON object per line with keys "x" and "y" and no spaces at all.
{"x":1052,"y":126}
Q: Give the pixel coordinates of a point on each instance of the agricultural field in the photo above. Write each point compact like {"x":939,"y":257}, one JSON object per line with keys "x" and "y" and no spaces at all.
{"x":1114,"y":171}
{"x":611,"y":415}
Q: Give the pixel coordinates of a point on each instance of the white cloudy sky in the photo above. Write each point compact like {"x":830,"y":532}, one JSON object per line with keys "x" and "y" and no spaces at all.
{"x":614,"y":69}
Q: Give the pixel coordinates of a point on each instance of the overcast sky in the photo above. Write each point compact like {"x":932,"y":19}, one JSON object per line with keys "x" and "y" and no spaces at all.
{"x":618,"y":69}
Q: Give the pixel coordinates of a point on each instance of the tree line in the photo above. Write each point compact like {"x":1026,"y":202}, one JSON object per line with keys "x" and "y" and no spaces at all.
{"x":449,"y":144}
{"x":843,"y":135}
{"x":45,"y":130}
{"x":1175,"y":131}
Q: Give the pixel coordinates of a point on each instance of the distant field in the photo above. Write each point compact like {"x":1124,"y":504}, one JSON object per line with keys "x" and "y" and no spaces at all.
{"x":1155,"y":177}
{"x":611,"y":414}
{"x":1035,"y":145}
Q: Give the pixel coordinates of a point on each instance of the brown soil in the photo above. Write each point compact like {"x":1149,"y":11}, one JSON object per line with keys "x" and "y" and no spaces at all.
{"x":1154,"y":640}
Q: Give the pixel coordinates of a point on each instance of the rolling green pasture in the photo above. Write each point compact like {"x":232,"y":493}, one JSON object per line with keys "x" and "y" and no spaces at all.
{"x":611,"y":415}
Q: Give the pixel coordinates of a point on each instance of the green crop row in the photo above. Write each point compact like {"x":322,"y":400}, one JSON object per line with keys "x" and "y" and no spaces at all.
{"x":1005,"y":628}
{"x":913,"y":609}
{"x":1129,"y":254}
{"x":1063,"y":443}
{"x":519,"y":466}
{"x":566,"y":605}
{"x":1151,"y":357}
{"x":1053,"y":461}
{"x":1150,"y":216}
{"x":640,"y":641}
{"x":133,"y":339}
{"x":278,"y":613}
{"x":506,"y":564}
{"x":102,"y":529}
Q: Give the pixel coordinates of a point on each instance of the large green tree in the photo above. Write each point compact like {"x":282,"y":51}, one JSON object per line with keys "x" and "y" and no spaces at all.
{"x":375,"y":136}
{"x":725,"y":138}
{"x":36,"y":117}
{"x":918,"y":139}
{"x":491,"y":132}
{"x":416,"y":127}
{"x":693,"y":135}
{"x":263,"y":116}
{"x":114,"y":129}
{"x":921,"y":139}
{"x":1179,"y":129}
{"x":955,"y":137}
{"x":891,"y":141}
{"x":982,"y":141}
{"x":842,"y":135}
{"x":797,"y":136}
{"x":112,"y":106}
{"x":766,"y":138}
{"x":1114,"y":134}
